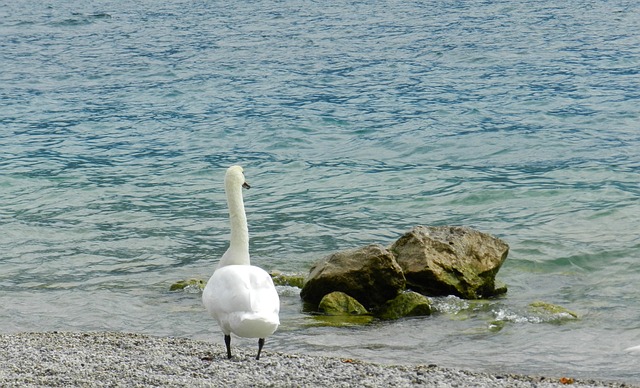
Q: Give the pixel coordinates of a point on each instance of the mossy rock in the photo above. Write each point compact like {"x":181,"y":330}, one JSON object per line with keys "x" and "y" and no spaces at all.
{"x":407,"y":304}
{"x":500,"y":288}
{"x":280,"y":279}
{"x":451,"y":260}
{"x":370,"y":274}
{"x":197,"y":284}
{"x":339,"y":303}
{"x":552,"y":309}
{"x":495,"y":326}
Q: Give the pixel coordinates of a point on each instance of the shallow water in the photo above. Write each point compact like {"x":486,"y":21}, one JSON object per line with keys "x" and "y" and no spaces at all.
{"x":354,"y":122}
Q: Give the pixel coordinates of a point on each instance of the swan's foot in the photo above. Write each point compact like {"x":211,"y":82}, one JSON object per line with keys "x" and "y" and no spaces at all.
{"x":260,"y":345}
{"x":227,"y":341}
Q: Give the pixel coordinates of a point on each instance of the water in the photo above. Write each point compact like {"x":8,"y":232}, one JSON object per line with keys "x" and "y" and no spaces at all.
{"x":354,"y":121}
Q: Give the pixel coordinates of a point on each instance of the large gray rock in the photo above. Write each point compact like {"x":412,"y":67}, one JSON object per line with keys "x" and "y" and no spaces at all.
{"x":369,"y":274}
{"x":450,"y":260}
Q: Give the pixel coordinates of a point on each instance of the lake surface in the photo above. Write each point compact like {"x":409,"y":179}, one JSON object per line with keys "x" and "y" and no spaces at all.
{"x":354,"y":122}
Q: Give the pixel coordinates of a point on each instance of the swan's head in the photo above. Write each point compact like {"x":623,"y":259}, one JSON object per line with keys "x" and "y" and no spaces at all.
{"x":235,"y":177}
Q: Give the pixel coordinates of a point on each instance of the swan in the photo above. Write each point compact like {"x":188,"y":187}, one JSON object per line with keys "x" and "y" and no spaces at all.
{"x":239,"y":296}
{"x":634,"y":349}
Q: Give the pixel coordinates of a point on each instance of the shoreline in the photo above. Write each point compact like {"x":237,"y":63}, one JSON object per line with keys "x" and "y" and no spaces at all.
{"x":56,"y":359}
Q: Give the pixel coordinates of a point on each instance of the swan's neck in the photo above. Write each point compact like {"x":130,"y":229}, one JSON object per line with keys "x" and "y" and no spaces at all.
{"x":238,"y":252}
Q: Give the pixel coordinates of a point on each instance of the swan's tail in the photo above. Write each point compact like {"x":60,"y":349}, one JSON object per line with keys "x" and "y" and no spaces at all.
{"x":633,"y":349}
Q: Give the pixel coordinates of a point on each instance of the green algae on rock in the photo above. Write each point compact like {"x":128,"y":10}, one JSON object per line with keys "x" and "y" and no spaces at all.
{"x":407,"y":304}
{"x":451,"y":260}
{"x":281,"y":279}
{"x":369,"y":274}
{"x":552,"y":310}
{"x":341,"y":320}
{"x":339,"y":303}
{"x":197,"y":284}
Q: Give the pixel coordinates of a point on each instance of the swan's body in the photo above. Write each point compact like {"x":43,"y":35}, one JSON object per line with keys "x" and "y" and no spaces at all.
{"x":243,"y":300}
{"x":635,"y":349}
{"x":239,"y":296}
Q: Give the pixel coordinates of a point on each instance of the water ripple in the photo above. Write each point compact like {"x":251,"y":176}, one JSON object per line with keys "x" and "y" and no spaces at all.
{"x":354,"y":121}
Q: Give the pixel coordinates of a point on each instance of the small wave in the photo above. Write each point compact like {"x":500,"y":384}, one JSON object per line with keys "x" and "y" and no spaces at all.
{"x":497,"y":313}
{"x":505,"y":315}
{"x":450,"y":304}
{"x":537,"y":312}
{"x":288,"y":291}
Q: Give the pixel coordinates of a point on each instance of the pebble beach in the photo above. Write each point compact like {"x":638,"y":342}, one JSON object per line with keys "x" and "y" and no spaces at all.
{"x":111,"y":359}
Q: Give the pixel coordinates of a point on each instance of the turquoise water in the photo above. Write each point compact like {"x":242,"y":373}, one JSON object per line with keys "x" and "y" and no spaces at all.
{"x":354,"y":121}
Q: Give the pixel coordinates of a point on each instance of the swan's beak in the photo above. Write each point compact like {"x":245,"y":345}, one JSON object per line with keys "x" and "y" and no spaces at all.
{"x":246,"y":185}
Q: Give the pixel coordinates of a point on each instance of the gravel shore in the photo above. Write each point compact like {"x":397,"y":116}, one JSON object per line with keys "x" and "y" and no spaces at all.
{"x":134,"y":360}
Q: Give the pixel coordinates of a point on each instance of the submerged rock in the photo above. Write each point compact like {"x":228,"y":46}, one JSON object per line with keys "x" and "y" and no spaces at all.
{"x":341,"y":320}
{"x":553,"y":310}
{"x":369,"y":274}
{"x":451,"y":260}
{"x":281,"y":279}
{"x":188,"y":284}
{"x":407,"y":304}
{"x":339,"y":303}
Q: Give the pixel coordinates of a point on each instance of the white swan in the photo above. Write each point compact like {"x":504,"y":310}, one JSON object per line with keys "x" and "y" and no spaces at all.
{"x":239,"y":296}
{"x":634,"y":349}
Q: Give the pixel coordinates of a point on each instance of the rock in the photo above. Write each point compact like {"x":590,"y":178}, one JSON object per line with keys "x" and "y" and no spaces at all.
{"x":496,"y":326}
{"x":407,"y":304}
{"x":369,"y":274}
{"x":450,"y":260}
{"x":280,"y":279}
{"x":500,"y":288}
{"x":552,"y":310}
{"x":339,"y":303}
{"x":195,"y":285}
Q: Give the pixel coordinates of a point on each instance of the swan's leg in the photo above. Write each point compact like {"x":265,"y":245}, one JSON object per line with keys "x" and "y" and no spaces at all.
{"x":260,"y":345}
{"x":227,"y":341}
